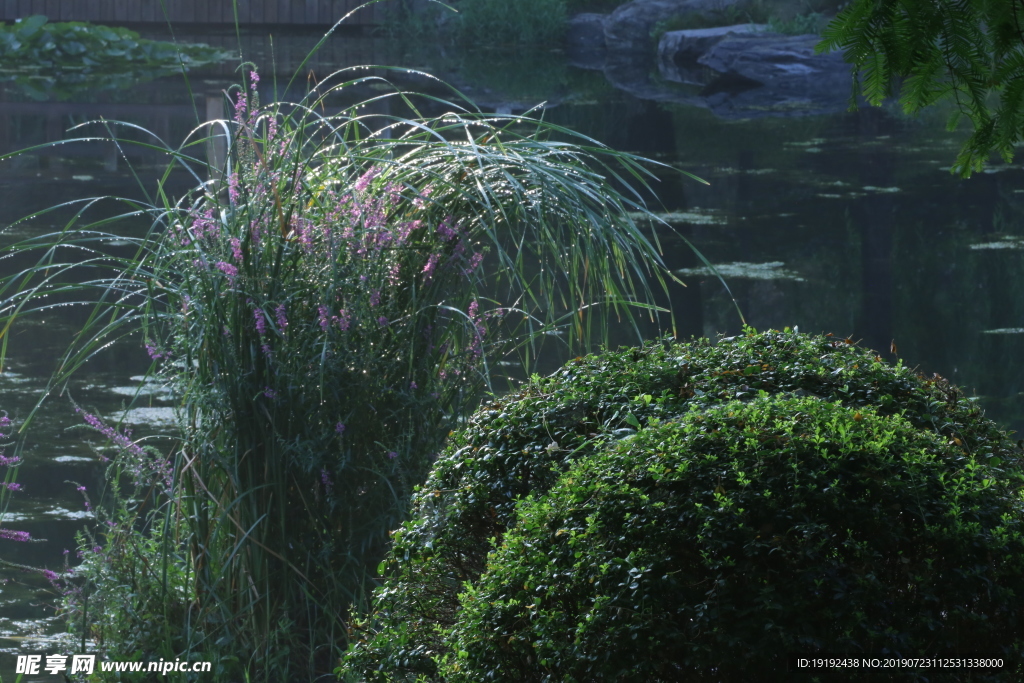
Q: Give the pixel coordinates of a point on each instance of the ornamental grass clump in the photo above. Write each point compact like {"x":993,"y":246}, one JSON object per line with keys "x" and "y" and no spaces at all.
{"x":723,"y":503}
{"x":326,"y":304}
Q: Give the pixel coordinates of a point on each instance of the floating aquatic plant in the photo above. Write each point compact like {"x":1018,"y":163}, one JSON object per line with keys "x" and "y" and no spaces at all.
{"x":69,"y":59}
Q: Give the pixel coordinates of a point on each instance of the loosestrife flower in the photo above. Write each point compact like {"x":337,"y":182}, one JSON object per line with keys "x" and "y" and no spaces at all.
{"x":236,"y":249}
{"x":325,"y":317}
{"x":325,"y":479}
{"x":12,"y":535}
{"x":421,"y":201}
{"x":446,"y":231}
{"x":117,"y":437}
{"x":375,"y":297}
{"x":261,"y":322}
{"x":153,"y":351}
{"x":141,"y":466}
{"x":234,"y":192}
{"x":9,"y":462}
{"x":282,"y":319}
{"x":428,"y":269}
{"x":12,"y":486}
{"x":240,"y":107}
{"x":206,"y":226}
{"x":228,"y":269}
{"x":365,"y":179}
{"x":339,"y":428}
{"x":382,"y":321}
{"x":269,"y":393}
{"x":392,"y":455}
{"x":343,"y":320}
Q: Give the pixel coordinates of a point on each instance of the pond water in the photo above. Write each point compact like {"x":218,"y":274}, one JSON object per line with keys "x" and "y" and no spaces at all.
{"x":849,"y":223}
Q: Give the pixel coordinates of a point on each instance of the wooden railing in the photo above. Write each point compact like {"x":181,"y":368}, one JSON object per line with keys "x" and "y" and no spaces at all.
{"x":287,"y":12}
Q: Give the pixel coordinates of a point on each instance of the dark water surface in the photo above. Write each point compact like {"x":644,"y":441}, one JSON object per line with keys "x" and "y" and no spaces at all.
{"x":849,"y":224}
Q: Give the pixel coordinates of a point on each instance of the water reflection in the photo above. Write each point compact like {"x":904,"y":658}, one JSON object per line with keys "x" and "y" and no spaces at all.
{"x":847,"y":223}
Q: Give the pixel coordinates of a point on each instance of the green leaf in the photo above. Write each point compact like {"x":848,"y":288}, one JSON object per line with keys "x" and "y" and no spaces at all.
{"x":29,"y":26}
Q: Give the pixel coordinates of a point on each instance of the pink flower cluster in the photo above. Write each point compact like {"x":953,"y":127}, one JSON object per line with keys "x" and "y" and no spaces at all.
{"x":141,"y":465}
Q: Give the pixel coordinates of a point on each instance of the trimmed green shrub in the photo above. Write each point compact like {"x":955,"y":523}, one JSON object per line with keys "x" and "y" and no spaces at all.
{"x":524,"y":445}
{"x":709,"y":547}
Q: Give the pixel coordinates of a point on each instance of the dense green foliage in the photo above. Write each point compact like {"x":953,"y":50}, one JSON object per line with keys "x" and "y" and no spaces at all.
{"x":801,"y":407}
{"x":968,"y":51}
{"x":498,"y":22}
{"x":62,"y":60}
{"x":708,"y":547}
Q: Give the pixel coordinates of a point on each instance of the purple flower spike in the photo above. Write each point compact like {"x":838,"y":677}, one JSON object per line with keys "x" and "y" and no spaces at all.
{"x":392,"y":455}
{"x":282,"y":318}
{"x":228,"y":269}
{"x":261,"y":322}
{"x":340,"y":428}
{"x":12,"y":535}
{"x":12,"y":486}
{"x":153,"y":351}
{"x":365,"y":179}
{"x":446,"y":231}
{"x":428,"y":269}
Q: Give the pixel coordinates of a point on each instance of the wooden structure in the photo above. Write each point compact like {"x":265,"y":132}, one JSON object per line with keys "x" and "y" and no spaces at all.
{"x":250,"y":12}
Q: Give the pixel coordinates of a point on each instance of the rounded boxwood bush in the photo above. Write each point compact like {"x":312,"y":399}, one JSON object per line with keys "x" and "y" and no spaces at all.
{"x":524,"y":445}
{"x":708,"y":547}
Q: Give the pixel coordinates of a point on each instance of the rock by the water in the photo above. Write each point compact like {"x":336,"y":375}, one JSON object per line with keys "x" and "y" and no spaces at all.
{"x":739,"y":71}
{"x":628,"y":28}
{"x":584,"y":39}
{"x":691,"y":44}
{"x":790,"y":78}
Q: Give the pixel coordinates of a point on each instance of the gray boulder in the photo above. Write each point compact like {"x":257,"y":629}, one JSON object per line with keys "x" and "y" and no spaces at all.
{"x":691,"y":44}
{"x":628,"y":28}
{"x":678,"y":51}
{"x":584,"y":41}
{"x":781,"y":76}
